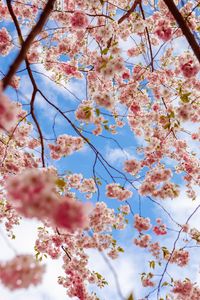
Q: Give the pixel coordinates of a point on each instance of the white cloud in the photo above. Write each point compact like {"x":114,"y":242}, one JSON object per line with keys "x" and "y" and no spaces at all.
{"x":116,"y":155}
{"x":182,"y":207}
{"x":127,"y":267}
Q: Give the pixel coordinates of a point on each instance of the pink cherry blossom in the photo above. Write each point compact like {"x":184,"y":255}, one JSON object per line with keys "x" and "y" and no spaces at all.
{"x":180,"y":257}
{"x":160,"y":229}
{"x":141,"y":223}
{"x":71,"y":214}
{"x":142,"y":241}
{"x":8,"y":116}
{"x":163,"y":30}
{"x":5,"y":41}
{"x":189,"y":69}
{"x":79,"y":20}
{"x":21,"y":272}
{"x":108,"y":75}
{"x":65,"y":145}
{"x":33,"y":193}
{"x":183,"y":289}
{"x":115,"y":191}
{"x":132,"y":166}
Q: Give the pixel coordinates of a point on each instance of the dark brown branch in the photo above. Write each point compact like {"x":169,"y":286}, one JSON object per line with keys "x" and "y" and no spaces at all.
{"x":184,"y":27}
{"x":129,"y":12}
{"x":27,"y":43}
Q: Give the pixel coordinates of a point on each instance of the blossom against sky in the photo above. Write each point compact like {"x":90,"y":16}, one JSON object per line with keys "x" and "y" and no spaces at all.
{"x":102,"y":162}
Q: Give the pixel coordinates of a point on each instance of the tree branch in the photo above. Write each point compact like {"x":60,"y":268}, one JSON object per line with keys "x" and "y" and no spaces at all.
{"x":148,"y":38}
{"x":129,"y":12}
{"x":32,"y":112}
{"x":184,"y":27}
{"x":27,"y":43}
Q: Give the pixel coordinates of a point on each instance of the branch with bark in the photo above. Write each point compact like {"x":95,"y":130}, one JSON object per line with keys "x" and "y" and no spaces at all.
{"x":129,"y":12}
{"x":184,"y":27}
{"x":27,"y":43}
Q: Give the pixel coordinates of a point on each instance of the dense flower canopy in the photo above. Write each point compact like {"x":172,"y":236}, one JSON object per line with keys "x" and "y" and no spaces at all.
{"x":79,"y":77}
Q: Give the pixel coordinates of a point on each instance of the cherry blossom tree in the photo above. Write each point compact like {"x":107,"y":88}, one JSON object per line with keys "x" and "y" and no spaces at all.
{"x":76,"y":76}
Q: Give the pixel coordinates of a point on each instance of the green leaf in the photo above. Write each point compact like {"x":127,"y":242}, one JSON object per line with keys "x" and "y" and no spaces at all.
{"x":165,"y":252}
{"x":97,"y":112}
{"x":165,"y":283}
{"x":171,"y":115}
{"x":104,"y":51}
{"x":37,"y":256}
{"x":114,"y":242}
{"x":185,"y":97}
{"x":99,"y":276}
{"x":87,"y":108}
{"x":120,"y":249}
{"x":167,"y":126}
{"x":152,"y":264}
{"x":131,"y":297}
{"x":60,"y":183}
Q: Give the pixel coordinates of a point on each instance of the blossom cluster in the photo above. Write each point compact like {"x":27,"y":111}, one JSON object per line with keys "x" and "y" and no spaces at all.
{"x":104,"y":99}
{"x":141,"y":223}
{"x":163,"y":30}
{"x":132,"y":166}
{"x":160,"y":229}
{"x":9,"y":216}
{"x":79,"y":20}
{"x":150,"y":84}
{"x":33,"y":194}
{"x":8,"y":115}
{"x":65,"y":145}
{"x":147,"y":280}
{"x":188,"y":66}
{"x":74,"y":246}
{"x":85,"y":111}
{"x":180,"y":257}
{"x":84,"y":185}
{"x":114,"y":190}
{"x":5,"y":41}
{"x":21,"y":272}
{"x":186,"y":290}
